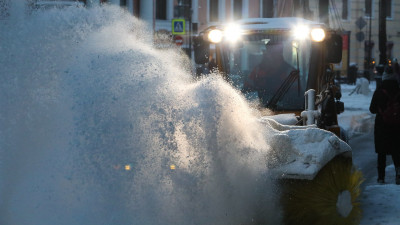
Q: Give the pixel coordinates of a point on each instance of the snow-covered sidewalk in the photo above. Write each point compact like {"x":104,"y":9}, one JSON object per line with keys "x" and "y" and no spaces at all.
{"x":380,"y":203}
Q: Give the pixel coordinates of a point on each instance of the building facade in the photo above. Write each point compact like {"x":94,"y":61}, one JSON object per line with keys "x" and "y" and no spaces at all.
{"x":359,"y":19}
{"x":202,"y":13}
{"x":159,"y":13}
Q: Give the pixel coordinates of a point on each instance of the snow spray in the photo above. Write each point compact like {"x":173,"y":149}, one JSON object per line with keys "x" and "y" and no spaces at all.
{"x":97,"y":126}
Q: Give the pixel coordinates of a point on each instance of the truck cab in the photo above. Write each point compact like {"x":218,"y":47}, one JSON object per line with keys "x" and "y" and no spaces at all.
{"x":276,"y":61}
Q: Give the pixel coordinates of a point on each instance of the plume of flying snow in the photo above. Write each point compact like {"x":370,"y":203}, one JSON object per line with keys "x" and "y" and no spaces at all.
{"x":97,"y":126}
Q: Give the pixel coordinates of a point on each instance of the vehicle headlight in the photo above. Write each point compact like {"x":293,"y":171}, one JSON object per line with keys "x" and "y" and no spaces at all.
{"x":317,"y":34}
{"x":301,"y":32}
{"x":215,"y":36}
{"x":232,"y":33}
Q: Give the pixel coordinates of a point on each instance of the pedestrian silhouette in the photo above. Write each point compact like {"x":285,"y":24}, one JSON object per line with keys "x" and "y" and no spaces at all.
{"x":386,"y":134}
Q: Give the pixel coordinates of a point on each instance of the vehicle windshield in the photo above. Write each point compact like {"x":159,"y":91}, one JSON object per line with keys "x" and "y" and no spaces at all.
{"x":260,"y":64}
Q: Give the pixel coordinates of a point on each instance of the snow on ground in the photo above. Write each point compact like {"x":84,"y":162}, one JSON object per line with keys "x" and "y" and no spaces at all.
{"x":380,"y":203}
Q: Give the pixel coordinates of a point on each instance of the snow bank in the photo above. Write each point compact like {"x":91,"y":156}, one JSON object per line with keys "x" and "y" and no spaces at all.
{"x":301,"y":151}
{"x":356,"y":119}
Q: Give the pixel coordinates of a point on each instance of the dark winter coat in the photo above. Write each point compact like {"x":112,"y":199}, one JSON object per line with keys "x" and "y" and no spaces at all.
{"x":386,"y":138}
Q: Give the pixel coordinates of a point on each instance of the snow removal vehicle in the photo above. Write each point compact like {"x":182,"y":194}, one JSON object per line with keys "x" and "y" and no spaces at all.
{"x":286,"y":65}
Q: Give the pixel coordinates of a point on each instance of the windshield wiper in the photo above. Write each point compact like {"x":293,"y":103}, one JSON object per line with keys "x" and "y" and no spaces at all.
{"x":283,"y":89}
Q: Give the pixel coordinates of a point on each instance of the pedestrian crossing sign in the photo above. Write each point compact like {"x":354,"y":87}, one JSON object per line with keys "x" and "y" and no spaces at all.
{"x":178,"y":26}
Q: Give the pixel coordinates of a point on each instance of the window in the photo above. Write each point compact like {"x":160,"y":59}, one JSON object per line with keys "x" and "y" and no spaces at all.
{"x":345,"y":9}
{"x":388,"y":9}
{"x":161,"y":9}
{"x":368,"y":8}
{"x":237,"y":9}
{"x":268,"y":8}
{"x":213,"y":10}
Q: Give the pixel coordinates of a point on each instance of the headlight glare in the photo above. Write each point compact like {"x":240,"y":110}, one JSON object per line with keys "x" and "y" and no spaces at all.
{"x":232,"y":33}
{"x":215,"y":36}
{"x":301,"y":32}
{"x":318,"y":34}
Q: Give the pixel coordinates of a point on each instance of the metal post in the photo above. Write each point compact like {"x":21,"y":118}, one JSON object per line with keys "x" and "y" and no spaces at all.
{"x":310,"y":114}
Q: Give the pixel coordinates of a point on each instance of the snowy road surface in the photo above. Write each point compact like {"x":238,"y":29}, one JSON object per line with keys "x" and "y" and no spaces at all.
{"x":380,"y":203}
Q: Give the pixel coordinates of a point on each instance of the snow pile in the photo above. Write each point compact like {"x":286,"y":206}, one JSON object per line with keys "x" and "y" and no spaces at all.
{"x":362,"y":86}
{"x":356,"y":118}
{"x":301,"y":151}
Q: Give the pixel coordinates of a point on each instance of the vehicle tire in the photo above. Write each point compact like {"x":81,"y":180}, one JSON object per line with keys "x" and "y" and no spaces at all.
{"x":331,"y":198}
